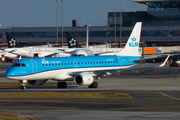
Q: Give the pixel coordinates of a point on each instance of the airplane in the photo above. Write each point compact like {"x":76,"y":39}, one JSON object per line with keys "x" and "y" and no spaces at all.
{"x":72,"y":50}
{"x":88,"y":51}
{"x":81,"y":51}
{"x":83,"y":70}
{"x":34,"y":52}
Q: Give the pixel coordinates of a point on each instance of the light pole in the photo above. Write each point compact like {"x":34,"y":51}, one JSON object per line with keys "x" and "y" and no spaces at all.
{"x":115,"y":20}
{"x":57,"y":19}
{"x":82,"y":21}
{"x":62,"y":20}
{"x":120,"y":22}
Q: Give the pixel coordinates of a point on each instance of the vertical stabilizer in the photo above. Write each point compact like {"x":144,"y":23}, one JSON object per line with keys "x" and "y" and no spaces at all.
{"x":11,"y":42}
{"x":72,"y":43}
{"x":132,"y":45}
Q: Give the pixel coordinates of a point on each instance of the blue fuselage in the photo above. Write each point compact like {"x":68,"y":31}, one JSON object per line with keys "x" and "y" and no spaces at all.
{"x":44,"y":66}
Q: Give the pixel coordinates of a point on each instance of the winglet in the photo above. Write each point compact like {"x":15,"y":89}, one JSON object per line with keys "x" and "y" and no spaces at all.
{"x":163,"y":64}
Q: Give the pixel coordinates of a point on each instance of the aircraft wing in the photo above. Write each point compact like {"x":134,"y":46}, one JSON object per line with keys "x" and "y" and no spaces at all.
{"x":148,"y":58}
{"x":116,"y":71}
{"x":10,"y":50}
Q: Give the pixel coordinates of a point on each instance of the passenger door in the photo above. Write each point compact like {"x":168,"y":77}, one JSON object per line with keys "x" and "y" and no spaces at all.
{"x":34,"y":66}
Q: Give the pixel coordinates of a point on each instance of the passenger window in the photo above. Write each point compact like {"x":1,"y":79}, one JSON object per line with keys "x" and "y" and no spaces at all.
{"x":82,"y":63}
{"x":55,"y":63}
{"x":43,"y":64}
{"x":46,"y":64}
{"x":114,"y":61}
{"x":71,"y":63}
{"x":65,"y":63}
{"x":62,"y":63}
{"x":49,"y":64}
{"x":68,"y":64}
{"x":59,"y":63}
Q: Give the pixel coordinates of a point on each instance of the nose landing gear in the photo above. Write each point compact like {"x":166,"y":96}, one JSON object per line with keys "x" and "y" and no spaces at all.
{"x":23,"y":87}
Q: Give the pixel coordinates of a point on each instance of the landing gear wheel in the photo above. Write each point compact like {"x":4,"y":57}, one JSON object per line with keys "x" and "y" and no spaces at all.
{"x":90,"y":86}
{"x":59,"y":84}
{"x":93,"y":85}
{"x":62,"y":85}
{"x":23,"y":87}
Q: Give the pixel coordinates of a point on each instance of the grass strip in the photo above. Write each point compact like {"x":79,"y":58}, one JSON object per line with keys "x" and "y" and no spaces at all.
{"x":7,"y":116}
{"x":90,"y":95}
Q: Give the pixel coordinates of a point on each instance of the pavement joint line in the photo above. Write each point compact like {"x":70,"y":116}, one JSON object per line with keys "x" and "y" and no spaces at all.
{"x":166,"y":95}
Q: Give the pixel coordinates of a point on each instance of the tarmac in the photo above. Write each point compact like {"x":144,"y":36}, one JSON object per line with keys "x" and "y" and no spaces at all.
{"x":155,"y":95}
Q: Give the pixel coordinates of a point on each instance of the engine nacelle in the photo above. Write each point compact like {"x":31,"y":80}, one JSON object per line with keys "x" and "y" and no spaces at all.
{"x":36,"y":82}
{"x":83,"y":79}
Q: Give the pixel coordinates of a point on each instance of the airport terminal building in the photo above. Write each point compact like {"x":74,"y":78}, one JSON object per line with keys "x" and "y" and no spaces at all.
{"x":160,"y":27}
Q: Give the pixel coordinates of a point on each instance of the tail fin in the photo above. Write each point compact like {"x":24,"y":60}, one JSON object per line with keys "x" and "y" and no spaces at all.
{"x":72,"y":43}
{"x":11,"y":42}
{"x":132,"y":45}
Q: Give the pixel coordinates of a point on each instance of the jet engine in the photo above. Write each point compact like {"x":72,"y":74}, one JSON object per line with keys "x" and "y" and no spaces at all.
{"x":37,"y":82}
{"x":83,"y":79}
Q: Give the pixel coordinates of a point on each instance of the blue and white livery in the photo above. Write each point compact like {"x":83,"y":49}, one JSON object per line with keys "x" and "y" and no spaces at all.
{"x":83,"y":70}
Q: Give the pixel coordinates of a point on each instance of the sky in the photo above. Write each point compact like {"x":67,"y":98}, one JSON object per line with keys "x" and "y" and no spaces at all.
{"x":43,"y":13}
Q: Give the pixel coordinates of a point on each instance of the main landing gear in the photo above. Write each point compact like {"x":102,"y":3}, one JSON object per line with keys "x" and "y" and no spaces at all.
{"x":62,"y":84}
{"x":93,"y":85}
{"x":23,"y":87}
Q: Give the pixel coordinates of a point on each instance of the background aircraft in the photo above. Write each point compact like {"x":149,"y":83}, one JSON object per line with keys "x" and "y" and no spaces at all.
{"x":82,"y":70}
{"x":88,"y":51}
{"x":34,"y":52}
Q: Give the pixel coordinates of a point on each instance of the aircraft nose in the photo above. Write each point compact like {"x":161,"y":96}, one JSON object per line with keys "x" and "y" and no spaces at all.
{"x":9,"y":73}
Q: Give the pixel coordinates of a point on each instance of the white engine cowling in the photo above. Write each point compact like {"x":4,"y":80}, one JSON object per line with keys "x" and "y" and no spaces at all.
{"x":83,"y":79}
{"x":36,"y":82}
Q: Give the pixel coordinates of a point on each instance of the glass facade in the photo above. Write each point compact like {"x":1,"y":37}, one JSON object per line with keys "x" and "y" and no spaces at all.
{"x":165,"y":10}
{"x":125,"y":33}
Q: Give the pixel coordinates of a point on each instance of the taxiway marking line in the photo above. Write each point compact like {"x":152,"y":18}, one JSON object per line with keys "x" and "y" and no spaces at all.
{"x":169,"y":96}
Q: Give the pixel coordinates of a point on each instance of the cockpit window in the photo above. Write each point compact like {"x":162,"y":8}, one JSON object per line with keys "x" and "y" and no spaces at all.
{"x":23,"y":65}
{"x":16,"y":65}
{"x":19,"y":65}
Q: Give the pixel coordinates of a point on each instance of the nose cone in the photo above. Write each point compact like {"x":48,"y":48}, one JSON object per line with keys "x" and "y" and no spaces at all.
{"x":10,"y":73}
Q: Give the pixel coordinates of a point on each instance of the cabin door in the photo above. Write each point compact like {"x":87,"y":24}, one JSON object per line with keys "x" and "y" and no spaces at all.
{"x":34,"y":66}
